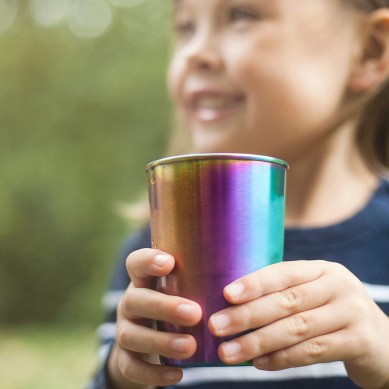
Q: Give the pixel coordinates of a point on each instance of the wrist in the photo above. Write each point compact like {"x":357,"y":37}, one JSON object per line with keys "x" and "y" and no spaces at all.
{"x":371,"y":371}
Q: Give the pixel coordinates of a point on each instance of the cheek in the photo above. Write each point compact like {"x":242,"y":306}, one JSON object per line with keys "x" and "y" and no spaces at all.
{"x":174,"y":77}
{"x":293,"y":94}
{"x":268,"y":88}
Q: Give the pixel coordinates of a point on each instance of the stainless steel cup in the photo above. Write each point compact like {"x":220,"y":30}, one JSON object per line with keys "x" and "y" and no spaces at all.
{"x":221,"y":216}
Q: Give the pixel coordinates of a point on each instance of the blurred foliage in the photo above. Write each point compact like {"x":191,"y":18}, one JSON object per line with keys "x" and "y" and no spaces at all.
{"x":40,"y":357}
{"x":79,"y":120}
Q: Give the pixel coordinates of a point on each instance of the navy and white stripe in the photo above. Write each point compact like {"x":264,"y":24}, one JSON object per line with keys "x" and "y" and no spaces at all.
{"x":360,"y":243}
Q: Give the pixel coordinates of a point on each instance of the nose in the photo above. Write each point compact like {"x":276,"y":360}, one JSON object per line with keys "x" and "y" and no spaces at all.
{"x":204,"y":54}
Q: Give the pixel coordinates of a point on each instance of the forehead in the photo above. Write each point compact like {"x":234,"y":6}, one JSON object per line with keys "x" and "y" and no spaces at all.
{"x":215,"y":4}
{"x":283,"y":7}
{"x":314,"y":18}
{"x":293,"y":5}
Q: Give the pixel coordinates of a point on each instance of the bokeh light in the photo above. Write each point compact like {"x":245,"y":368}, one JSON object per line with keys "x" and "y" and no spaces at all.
{"x":126,"y":3}
{"x":49,"y":13}
{"x":93,"y":18}
{"x":143,"y":21}
{"x":83,"y":109}
{"x":89,"y":18}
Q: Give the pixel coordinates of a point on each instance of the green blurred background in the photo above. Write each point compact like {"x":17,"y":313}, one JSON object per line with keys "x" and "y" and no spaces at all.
{"x":83,"y":109}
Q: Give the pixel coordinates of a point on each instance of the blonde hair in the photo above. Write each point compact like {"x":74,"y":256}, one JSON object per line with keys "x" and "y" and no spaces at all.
{"x":373,"y":129}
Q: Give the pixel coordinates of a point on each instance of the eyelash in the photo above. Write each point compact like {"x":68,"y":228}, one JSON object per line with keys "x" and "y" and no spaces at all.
{"x":238,"y":14}
{"x":185,"y":28}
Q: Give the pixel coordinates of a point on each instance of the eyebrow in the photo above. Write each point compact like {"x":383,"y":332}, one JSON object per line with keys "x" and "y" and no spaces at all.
{"x":176,"y":4}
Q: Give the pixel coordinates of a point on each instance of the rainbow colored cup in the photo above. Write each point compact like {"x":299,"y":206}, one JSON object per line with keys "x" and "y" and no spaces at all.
{"x":221,"y":216}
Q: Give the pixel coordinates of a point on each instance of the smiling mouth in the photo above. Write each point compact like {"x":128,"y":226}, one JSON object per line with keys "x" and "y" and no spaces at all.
{"x":210,"y":108}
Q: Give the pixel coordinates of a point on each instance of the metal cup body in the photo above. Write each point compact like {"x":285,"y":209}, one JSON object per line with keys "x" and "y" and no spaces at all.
{"x":221,"y":216}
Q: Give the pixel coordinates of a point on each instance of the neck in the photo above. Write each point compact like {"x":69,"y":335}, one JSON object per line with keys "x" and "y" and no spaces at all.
{"x":329,"y":183}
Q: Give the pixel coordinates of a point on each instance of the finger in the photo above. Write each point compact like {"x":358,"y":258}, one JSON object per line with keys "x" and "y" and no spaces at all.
{"x":270,"y":308}
{"x":283,"y":334}
{"x":144,"y":264}
{"x":136,"y":370}
{"x":337,"y":346}
{"x":133,"y":337}
{"x":140,"y":303}
{"x":273,"y":278}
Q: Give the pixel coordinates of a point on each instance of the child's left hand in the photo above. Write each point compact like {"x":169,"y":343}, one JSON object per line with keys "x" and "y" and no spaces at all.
{"x":302,"y":313}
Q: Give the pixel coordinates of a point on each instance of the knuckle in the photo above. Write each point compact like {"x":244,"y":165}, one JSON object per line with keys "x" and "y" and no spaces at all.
{"x":153,"y":344}
{"x":299,"y":326}
{"x":363,"y":338}
{"x":137,"y":373}
{"x":125,"y":368}
{"x":143,"y":374}
{"x":362,"y":289}
{"x":314,"y":350}
{"x":123,"y":337}
{"x":126,"y":301}
{"x":347,"y":279}
{"x":284,"y":358}
{"x":324,"y":264}
{"x":130,"y":260}
{"x":252,"y":282}
{"x":358,"y":307}
{"x":290,"y":300}
{"x":339,"y":267}
{"x":290,"y":270}
{"x":165,"y":309}
{"x":137,"y":261}
{"x":246,"y":317}
{"x":160,"y":310}
{"x":338,"y":270}
{"x":120,"y":307}
{"x":293,"y":271}
{"x":257,"y":346}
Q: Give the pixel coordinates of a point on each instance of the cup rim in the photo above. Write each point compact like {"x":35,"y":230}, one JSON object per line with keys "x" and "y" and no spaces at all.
{"x":216,"y":156}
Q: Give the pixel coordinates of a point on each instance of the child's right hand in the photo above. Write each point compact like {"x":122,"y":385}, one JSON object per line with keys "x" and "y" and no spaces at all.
{"x":134,"y":361}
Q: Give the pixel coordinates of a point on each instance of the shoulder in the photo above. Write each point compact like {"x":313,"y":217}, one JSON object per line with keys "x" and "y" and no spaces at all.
{"x":381,"y":198}
{"x":385,"y":184}
{"x":138,"y":240}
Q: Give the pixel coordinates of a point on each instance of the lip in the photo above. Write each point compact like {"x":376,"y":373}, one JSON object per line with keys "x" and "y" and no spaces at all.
{"x":211,"y":105}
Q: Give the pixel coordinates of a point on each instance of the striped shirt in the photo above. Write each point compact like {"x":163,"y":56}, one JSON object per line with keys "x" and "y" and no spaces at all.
{"x":361,"y":243}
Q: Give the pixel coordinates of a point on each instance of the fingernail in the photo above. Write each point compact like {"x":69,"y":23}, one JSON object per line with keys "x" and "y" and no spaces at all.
{"x":161,"y":260}
{"x":231,"y":349}
{"x":186,"y":311}
{"x":234,"y":290}
{"x":260,"y":361}
{"x":221,"y":321}
{"x":171,"y":375}
{"x":180,"y":345}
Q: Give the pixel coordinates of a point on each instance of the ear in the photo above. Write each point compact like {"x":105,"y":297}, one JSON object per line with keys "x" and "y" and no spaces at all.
{"x":371,"y":67}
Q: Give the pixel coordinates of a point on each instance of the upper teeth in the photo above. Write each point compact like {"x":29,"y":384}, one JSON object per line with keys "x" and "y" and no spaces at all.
{"x":213,"y":102}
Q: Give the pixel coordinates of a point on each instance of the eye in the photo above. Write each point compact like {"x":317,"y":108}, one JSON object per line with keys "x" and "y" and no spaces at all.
{"x":243,"y":14}
{"x":184,"y":29}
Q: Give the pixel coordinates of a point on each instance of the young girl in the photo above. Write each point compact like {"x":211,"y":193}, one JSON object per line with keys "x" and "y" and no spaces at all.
{"x":305,"y":81}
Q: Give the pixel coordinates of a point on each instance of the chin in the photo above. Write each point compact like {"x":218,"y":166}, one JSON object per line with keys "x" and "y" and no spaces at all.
{"x":209,"y":147}
{"x":223,"y":149}
{"x":215,"y":143}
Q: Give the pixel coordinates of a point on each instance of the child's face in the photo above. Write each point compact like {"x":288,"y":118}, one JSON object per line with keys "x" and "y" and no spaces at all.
{"x":260,"y":76}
